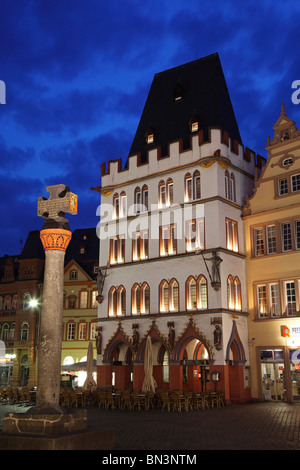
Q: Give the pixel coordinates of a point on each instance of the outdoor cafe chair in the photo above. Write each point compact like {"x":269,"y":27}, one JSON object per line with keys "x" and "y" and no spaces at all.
{"x":126,"y":400}
{"x":101,"y":399}
{"x":109,"y":400}
{"x":165,"y":400}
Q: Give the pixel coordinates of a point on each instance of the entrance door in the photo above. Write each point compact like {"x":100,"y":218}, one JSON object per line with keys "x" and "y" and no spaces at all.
{"x":273,"y":381}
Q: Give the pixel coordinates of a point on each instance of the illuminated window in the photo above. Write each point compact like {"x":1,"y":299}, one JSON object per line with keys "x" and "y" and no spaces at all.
{"x":167,"y":240}
{"x":230,"y":186}
{"x":232,"y":235}
{"x":283,"y":186}
{"x":169,"y":296}
{"x":140,"y":245}
{"x":93,"y":329}
{"x":170,"y":197}
{"x":145,"y":198}
{"x":83,"y":299}
{"x":262,"y":300}
{"x":7,"y":302}
{"x":295,"y":182}
{"x":192,"y":186}
{"x":188,"y":187}
{"x":117,"y":301}
{"x":174,"y":296}
{"x":271,"y":239}
{"x":94,"y":298}
{"x":82,"y":331}
{"x":123,"y":204}
{"x":195,"y":235}
{"x":70,"y":331}
{"x":140,"y":298}
{"x":234,"y":297}
{"x":196,"y":293}
{"x":24,"y":331}
{"x":161,"y":194}
{"x":137,"y":200}
{"x":259,"y":247}
{"x":117,"y":249}
{"x":286,"y":236}
{"x":290,"y":297}
{"x":116,"y":206}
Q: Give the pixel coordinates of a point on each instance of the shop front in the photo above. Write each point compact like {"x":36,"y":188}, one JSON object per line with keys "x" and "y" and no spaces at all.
{"x":280,"y":374}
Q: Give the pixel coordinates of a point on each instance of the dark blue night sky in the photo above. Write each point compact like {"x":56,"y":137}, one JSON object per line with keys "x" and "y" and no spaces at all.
{"x":78,"y":72}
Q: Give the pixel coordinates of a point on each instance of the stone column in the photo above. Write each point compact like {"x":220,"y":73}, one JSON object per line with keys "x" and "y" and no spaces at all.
{"x":55,"y":242}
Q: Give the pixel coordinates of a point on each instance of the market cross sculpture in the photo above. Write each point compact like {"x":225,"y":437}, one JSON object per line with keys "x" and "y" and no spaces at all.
{"x":53,"y":209}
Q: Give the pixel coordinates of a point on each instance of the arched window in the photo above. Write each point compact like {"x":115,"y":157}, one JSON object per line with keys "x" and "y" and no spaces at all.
{"x":232,"y":187}
{"x":116,"y":206}
{"x":191,"y":294}
{"x":136,"y":299}
{"x":123,"y":204}
{"x":196,"y":185}
{"x":145,"y":298}
{"x":227,"y":190}
{"x":11,"y":332}
{"x":112,"y":302}
{"x":5,"y":332}
{"x":140,"y":298}
{"x":7,"y":302}
{"x":14,"y":302}
{"x":201,"y":292}
{"x":237,"y":294}
{"x":145,"y":197}
{"x":230,"y":292}
{"x":121,"y":307}
{"x":170,"y":196}
{"x":26,"y":300}
{"x":161,"y":194}
{"x":188,"y":187}
{"x":116,"y":301}
{"x":196,"y":293}
{"x":174,"y":296}
{"x":164,"y":296}
{"x":24,"y":332}
{"x":169,"y":296}
{"x":137,"y":200}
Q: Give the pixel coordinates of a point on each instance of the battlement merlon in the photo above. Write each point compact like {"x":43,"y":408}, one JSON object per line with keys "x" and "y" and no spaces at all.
{"x":219,"y":145}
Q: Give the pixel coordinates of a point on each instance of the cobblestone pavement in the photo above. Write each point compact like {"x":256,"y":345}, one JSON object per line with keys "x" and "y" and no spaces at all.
{"x":252,"y":426}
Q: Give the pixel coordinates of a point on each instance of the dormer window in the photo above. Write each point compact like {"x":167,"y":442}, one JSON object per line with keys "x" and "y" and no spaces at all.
{"x":194,"y":123}
{"x":150,"y":136}
{"x":178,"y":93}
{"x":194,"y":126}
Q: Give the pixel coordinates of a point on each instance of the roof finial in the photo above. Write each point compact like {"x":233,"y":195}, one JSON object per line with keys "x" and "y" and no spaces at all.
{"x":283,"y":113}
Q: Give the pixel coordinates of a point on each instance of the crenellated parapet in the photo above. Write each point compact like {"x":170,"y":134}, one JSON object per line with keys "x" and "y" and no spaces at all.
{"x":219,"y":147}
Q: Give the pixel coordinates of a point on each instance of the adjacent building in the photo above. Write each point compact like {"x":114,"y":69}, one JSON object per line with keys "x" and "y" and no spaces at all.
{"x":21,"y":293}
{"x":172,"y":254}
{"x":272,"y":233}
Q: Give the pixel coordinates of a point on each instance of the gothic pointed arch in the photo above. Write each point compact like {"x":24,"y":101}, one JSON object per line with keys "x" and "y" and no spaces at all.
{"x":191,"y":332}
{"x":155,"y":335}
{"x":119,"y":337}
{"x":236,"y":346}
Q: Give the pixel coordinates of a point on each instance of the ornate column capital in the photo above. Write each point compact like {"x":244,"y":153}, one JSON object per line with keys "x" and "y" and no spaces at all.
{"x":55,"y":239}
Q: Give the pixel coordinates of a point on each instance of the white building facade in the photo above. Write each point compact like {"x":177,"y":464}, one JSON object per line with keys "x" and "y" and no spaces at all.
{"x":172,"y":249}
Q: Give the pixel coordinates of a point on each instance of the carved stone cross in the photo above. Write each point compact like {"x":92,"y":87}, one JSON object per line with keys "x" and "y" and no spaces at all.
{"x":53,"y":209}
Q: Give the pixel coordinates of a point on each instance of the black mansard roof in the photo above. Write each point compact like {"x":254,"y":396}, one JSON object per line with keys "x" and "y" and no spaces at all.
{"x":196,"y":90}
